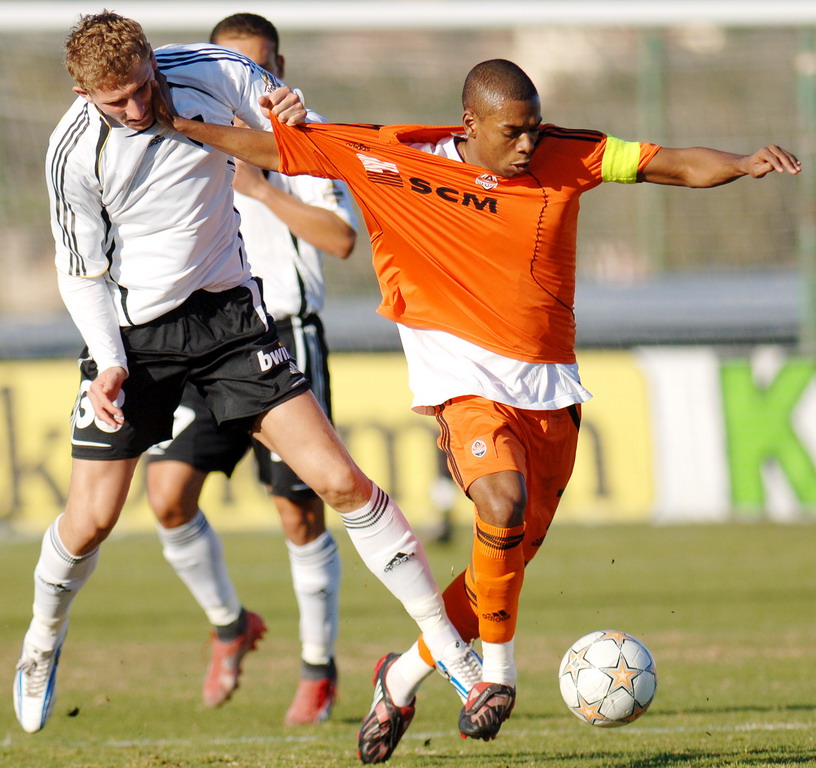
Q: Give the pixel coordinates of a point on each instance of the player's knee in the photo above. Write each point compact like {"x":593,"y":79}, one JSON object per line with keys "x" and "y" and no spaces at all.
{"x":161,"y":505}
{"x":172,"y":517}
{"x":170,"y":510}
{"x":302,"y":518}
{"x":500,"y":499}
{"x":343,"y":487}
{"x":502,"y":509}
{"x":171,"y":505}
{"x":81,"y":534}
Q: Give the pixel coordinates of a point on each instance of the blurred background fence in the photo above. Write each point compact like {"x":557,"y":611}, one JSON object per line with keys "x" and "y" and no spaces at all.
{"x":652,"y":261}
{"x":728,"y":271}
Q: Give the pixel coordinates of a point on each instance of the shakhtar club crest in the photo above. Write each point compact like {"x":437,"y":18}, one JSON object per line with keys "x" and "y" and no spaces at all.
{"x":487,"y":181}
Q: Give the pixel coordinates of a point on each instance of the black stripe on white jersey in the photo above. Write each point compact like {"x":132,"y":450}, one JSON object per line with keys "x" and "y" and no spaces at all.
{"x":169,"y":61}
{"x":63,"y":214}
{"x":185,"y":58}
{"x":123,"y":292}
{"x":194,"y":52}
{"x":104,"y":133}
{"x":182,"y":86}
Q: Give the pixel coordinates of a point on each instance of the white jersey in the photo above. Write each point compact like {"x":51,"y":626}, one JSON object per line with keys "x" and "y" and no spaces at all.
{"x":152,"y":211}
{"x":291,"y":268}
{"x":442,"y":366}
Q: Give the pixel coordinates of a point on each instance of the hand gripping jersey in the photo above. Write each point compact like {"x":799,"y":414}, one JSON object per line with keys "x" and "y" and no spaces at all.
{"x":488,"y":259}
{"x":151,"y":212}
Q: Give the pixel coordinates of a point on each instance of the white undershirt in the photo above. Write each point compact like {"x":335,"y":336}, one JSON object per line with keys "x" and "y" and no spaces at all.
{"x":442,"y":366}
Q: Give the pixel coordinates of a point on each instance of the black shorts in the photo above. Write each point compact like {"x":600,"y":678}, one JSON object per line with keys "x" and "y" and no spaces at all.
{"x":201,"y":443}
{"x":223,"y":344}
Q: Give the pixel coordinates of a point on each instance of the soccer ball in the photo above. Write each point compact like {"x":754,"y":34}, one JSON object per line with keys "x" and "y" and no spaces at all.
{"x":607,"y":678}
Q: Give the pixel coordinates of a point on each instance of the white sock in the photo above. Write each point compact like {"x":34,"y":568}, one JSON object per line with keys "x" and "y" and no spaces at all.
{"x":406,"y":675}
{"x":498,"y":664}
{"x":392,"y":552}
{"x":58,"y":576}
{"x":194,"y":551}
{"x":316,"y":580}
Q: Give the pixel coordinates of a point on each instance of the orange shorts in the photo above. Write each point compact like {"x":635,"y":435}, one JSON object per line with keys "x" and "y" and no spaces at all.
{"x":481,"y":437}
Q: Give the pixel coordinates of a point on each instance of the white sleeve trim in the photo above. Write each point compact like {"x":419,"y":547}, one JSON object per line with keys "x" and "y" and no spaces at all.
{"x":91,"y":308}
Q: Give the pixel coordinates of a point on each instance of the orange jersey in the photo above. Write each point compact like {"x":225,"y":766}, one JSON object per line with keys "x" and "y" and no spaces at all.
{"x":488,"y":259}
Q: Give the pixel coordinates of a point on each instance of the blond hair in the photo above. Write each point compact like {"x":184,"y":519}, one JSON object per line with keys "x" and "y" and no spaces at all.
{"x":102,"y":50}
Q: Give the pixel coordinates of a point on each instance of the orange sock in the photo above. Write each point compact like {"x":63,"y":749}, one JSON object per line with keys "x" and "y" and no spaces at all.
{"x":425,"y":653}
{"x":460,"y":605}
{"x":498,"y":562}
{"x":498,"y":568}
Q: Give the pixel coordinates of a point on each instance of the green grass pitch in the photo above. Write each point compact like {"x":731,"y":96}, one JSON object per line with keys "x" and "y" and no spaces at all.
{"x":729,"y":613}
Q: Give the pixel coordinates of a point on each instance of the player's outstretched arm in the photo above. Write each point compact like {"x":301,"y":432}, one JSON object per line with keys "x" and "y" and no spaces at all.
{"x":257,"y":147}
{"x":703,"y":167}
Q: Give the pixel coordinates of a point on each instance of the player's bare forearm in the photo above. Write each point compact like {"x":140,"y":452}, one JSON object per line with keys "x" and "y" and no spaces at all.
{"x":256,"y":147}
{"x":702,"y":167}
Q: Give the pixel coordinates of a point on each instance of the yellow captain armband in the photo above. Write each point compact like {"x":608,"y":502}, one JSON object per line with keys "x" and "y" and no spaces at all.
{"x":620,"y":161}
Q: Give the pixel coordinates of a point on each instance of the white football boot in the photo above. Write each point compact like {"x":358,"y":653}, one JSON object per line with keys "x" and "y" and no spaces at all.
{"x":461,"y":666}
{"x":35,"y":685}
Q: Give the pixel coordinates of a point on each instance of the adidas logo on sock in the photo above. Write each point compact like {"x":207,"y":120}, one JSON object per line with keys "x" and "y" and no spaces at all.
{"x":398,"y":559}
{"x":497,"y":616}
